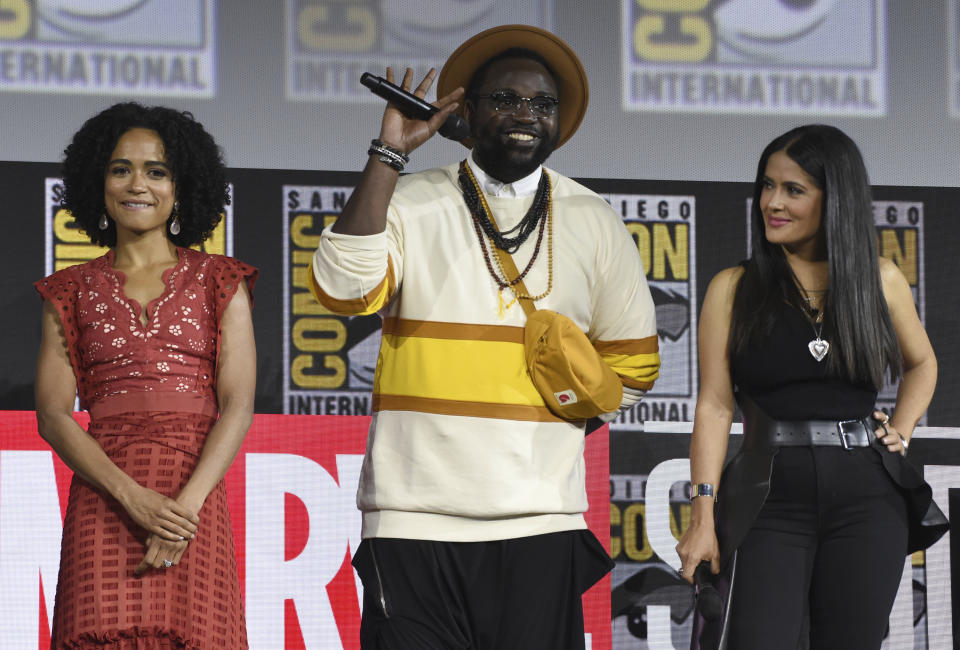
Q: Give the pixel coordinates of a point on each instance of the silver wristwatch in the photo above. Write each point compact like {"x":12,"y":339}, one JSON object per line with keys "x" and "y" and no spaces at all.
{"x":701,"y":490}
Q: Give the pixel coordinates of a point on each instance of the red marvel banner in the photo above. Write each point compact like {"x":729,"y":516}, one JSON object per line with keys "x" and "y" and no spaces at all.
{"x":292,"y":495}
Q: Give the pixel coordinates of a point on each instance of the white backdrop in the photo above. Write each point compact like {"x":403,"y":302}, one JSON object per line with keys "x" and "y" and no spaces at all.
{"x":680,"y":89}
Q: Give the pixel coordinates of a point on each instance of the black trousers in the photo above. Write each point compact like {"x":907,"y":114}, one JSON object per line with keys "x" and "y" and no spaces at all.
{"x":509,"y":594}
{"x":823,"y":560}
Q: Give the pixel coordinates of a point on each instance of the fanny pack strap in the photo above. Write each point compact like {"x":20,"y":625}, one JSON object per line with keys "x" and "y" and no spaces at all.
{"x":519,"y":288}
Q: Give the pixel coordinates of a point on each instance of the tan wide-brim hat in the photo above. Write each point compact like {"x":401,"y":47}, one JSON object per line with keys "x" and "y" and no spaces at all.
{"x":569,"y":74}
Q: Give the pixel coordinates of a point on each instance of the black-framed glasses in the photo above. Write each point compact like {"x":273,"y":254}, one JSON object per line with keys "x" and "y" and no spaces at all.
{"x":508,"y":103}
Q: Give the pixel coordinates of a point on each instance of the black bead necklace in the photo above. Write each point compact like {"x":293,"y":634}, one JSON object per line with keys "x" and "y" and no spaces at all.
{"x":502,"y":279}
{"x":523,"y":230}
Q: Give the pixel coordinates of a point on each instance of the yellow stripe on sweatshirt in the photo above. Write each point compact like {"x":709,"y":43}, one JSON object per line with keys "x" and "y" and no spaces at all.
{"x":449,"y":369}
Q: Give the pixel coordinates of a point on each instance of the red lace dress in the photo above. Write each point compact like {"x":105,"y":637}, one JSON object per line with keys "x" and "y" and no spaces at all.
{"x":150,"y":394}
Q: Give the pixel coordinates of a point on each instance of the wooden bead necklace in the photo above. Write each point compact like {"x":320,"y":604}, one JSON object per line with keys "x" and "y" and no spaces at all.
{"x":480,"y":210}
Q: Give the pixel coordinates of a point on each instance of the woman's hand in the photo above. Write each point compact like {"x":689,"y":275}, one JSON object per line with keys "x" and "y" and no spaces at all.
{"x":160,"y":515}
{"x":698,"y":544}
{"x":406,"y":134}
{"x":160,"y":554}
{"x":888,"y":434}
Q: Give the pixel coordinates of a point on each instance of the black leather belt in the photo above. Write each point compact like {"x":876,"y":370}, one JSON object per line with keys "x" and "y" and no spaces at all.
{"x":762,"y":432}
{"x":844,"y":433}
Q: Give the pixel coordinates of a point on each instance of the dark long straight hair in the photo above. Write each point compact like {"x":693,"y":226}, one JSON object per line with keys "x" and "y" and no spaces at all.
{"x":863,"y":342}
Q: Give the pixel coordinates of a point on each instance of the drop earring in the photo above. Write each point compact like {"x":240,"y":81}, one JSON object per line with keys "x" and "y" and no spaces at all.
{"x":104,"y":223}
{"x":175,"y":224}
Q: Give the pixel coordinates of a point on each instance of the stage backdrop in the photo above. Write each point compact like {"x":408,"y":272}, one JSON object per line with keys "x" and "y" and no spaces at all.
{"x":296,"y":526}
{"x":311,"y":362}
{"x":679,"y":88}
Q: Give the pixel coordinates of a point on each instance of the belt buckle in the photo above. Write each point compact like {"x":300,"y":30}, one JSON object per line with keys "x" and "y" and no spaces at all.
{"x":842,"y":434}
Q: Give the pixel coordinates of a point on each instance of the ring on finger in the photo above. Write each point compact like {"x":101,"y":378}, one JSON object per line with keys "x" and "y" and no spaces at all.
{"x":167,"y":564}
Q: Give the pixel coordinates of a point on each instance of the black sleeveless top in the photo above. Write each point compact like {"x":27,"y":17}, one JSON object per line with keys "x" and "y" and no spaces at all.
{"x":787,"y":383}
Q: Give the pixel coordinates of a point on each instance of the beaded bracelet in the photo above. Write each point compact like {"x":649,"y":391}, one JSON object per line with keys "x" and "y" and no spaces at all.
{"x":376,"y":142}
{"x":388,"y":155}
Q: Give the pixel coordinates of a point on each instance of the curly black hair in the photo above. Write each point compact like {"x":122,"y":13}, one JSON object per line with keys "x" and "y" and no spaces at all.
{"x":193,"y":157}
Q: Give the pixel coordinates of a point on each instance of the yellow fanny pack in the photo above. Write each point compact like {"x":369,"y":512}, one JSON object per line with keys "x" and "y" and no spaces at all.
{"x":567,"y":371}
{"x":569,"y":374}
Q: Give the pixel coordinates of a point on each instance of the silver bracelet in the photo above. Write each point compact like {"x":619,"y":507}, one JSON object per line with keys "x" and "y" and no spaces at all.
{"x":387,"y":157}
{"x":701,"y":490}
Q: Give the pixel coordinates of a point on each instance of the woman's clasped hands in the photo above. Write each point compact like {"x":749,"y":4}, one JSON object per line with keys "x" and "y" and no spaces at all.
{"x":170,"y":526}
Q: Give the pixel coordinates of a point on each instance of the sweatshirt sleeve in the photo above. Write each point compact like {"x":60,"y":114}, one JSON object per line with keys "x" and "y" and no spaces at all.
{"x":623,"y":326}
{"x":357,"y":274}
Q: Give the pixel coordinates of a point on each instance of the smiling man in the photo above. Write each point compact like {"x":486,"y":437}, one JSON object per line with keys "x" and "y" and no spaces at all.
{"x":472,"y":489}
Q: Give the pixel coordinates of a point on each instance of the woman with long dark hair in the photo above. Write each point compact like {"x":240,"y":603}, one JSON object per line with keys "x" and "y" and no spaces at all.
{"x":818,"y":510}
{"x":157,"y":340}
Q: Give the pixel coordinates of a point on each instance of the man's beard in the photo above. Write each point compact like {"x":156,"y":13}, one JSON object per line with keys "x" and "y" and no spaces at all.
{"x":507,"y":166}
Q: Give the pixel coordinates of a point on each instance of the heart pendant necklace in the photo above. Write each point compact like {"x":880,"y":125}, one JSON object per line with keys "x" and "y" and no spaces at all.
{"x":818,"y":347}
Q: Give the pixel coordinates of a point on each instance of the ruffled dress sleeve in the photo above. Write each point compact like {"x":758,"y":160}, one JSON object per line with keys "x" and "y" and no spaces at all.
{"x":60,"y":290}
{"x":226,"y":277}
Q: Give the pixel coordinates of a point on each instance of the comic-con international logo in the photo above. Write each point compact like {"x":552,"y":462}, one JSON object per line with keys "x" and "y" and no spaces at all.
{"x":330,"y":43}
{"x":664,"y":227}
{"x":328,"y":360}
{"x":143,"y":47}
{"x":754,"y":56}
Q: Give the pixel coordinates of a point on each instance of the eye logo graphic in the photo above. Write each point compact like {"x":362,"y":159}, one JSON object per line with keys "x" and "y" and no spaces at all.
{"x":122,"y":22}
{"x":673,"y":313}
{"x":87,"y":19}
{"x":759,"y":29}
{"x":448,"y":23}
{"x":88,"y":8}
{"x":328,"y":43}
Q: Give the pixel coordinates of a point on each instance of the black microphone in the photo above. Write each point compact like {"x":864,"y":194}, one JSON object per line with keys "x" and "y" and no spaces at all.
{"x":455,"y":127}
{"x":709,"y":602}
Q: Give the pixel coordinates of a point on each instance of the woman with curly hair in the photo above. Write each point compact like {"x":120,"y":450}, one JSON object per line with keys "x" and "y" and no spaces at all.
{"x":818,"y":509}
{"x":157,"y":340}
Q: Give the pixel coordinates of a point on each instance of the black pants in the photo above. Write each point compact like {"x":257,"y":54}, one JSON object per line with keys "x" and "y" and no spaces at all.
{"x":825,"y":556}
{"x":515,"y":594}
